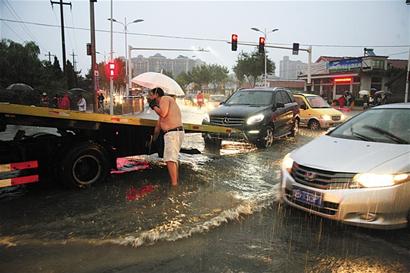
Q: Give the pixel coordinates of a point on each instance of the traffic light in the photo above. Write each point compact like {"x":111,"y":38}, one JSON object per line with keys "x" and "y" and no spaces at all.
{"x":111,"y":70}
{"x":261,"y":44}
{"x":234,"y":42}
{"x":89,"y":49}
{"x":295,"y":49}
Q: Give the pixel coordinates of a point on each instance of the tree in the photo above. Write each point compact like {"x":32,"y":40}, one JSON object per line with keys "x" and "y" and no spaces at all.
{"x":250,"y":66}
{"x":219,"y":75}
{"x":184,"y":79}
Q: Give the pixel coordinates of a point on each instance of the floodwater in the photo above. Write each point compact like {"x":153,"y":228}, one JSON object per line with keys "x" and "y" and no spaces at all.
{"x":224,"y":216}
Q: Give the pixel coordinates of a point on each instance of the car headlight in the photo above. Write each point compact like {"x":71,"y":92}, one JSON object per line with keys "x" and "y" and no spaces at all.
{"x":255,"y":119}
{"x":326,"y":117}
{"x":371,"y":180}
{"x":207,"y":118}
{"x":287,"y":162}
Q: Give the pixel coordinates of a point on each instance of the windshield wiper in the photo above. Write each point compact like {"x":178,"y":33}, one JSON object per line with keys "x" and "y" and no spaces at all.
{"x":360,"y":136}
{"x":389,"y":135}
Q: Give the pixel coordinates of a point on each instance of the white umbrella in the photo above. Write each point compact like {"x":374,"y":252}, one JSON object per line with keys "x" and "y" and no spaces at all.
{"x":153,"y":80}
{"x":364,"y":93}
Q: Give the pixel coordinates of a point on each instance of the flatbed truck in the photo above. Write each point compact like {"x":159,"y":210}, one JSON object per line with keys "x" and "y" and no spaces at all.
{"x":82,"y":151}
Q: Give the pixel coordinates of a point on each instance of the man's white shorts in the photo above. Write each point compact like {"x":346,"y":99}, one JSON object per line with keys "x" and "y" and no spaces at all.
{"x":173,"y":142}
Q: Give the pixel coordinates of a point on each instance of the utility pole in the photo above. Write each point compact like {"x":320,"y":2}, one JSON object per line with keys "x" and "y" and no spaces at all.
{"x":111,"y":59}
{"x":61,"y":3}
{"x":406,"y":92}
{"x":94,"y":68}
{"x":49,"y":56}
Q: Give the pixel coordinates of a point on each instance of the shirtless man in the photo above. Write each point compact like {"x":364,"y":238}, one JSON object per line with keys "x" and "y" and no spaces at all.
{"x":171,"y":124}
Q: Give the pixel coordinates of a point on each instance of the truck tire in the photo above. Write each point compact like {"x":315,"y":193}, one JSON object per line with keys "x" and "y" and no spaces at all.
{"x":84,"y":165}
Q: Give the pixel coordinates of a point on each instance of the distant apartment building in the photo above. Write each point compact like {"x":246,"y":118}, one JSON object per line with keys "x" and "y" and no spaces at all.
{"x":289,"y":70}
{"x":158,"y":63}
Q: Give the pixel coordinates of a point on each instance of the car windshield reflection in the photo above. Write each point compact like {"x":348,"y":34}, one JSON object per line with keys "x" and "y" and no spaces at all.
{"x":257,"y":98}
{"x":377,"y":125}
{"x":317,"y":102}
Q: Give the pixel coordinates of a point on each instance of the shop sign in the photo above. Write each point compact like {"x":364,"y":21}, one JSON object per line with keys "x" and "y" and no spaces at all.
{"x":344,"y":65}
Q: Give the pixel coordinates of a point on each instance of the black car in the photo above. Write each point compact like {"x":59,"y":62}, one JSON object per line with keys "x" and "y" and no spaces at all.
{"x":261,"y":113}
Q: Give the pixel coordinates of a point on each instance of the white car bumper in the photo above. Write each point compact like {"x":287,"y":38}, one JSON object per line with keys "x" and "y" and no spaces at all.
{"x":379,"y":208}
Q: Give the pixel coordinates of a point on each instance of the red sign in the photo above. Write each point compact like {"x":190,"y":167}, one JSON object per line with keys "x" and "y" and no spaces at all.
{"x":343,"y":80}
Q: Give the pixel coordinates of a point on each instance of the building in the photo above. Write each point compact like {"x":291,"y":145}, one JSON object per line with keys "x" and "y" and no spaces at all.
{"x":289,"y":70}
{"x":158,"y":63}
{"x":333,"y":76}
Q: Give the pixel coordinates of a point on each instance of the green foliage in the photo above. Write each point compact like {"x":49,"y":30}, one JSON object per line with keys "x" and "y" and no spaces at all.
{"x":203,"y":75}
{"x":250,"y":66}
{"x":21,"y":64}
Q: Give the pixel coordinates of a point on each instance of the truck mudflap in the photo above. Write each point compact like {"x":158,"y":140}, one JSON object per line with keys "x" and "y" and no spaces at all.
{"x":18,"y":173}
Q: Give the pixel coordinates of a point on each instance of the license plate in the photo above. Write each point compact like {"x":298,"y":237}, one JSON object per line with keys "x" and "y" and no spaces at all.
{"x":308,"y":197}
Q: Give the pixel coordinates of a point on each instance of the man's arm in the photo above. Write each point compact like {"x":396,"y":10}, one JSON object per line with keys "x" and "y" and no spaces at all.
{"x":163,"y":108}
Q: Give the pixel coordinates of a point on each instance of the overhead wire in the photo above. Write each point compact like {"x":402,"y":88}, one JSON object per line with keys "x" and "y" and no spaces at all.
{"x":201,"y":39}
{"x":23,"y":27}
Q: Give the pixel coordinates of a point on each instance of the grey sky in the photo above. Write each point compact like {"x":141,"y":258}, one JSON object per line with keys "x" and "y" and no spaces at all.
{"x":317,"y":23}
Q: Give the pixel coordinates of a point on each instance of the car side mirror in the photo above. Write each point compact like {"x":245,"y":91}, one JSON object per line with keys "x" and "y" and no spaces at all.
{"x":280,"y":105}
{"x":221,"y":103}
{"x":303,"y":106}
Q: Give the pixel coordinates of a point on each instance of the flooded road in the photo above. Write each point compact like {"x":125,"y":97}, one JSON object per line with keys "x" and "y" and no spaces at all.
{"x":224,"y":216}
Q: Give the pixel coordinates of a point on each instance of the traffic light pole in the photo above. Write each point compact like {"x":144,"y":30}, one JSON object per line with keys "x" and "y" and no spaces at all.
{"x":308,"y":50}
{"x":94,"y":69}
{"x":111,"y":79}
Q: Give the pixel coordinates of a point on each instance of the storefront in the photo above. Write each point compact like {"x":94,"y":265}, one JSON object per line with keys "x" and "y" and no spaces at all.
{"x":346,"y":74}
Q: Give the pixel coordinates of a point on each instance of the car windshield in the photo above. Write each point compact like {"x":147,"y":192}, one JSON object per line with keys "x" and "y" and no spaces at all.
{"x":250,"y":98}
{"x":317,"y":102}
{"x":377,"y":125}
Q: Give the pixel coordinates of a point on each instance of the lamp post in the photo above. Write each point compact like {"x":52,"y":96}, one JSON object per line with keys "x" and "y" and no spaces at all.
{"x":264,"y":35}
{"x":125,"y":25}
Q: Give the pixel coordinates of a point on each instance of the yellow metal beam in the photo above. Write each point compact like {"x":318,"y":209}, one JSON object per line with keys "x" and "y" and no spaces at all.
{"x":16,"y":109}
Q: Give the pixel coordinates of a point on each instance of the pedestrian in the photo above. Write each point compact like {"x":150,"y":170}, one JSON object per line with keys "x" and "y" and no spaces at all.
{"x":101,"y":100}
{"x":200,"y":100}
{"x":44,"y":100}
{"x":64,"y":103}
{"x":170,"y":123}
{"x":81,"y":103}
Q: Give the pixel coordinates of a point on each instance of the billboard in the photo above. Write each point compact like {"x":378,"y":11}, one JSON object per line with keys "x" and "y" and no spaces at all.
{"x":344,"y":65}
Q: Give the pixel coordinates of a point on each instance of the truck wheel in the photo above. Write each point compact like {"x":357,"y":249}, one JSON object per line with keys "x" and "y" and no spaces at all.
{"x":314,"y":124}
{"x":266,"y":140}
{"x":213,"y":143}
{"x":84,"y":165}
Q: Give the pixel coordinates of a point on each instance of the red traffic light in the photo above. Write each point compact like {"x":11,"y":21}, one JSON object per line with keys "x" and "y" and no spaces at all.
{"x":261,"y":44}
{"x":234,"y":42}
{"x":111,"y":69}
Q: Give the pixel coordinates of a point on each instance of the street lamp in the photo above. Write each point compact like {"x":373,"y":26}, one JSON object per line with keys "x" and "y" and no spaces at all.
{"x":125,"y":25}
{"x":264,"y":35}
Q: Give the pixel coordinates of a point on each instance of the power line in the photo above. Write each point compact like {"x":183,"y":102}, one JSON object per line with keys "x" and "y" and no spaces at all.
{"x":18,"y":35}
{"x":201,"y":39}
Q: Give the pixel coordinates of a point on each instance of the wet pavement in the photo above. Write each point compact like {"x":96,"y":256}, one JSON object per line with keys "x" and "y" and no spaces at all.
{"x":224,"y":216}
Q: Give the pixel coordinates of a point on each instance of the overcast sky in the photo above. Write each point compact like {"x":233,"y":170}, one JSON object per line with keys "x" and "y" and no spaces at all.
{"x":333,"y":28}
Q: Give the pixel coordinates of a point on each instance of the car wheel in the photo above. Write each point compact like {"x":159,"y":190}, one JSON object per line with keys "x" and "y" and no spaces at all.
{"x":295,"y":129}
{"x":84,"y":165}
{"x":266,"y":140}
{"x":314,"y":124}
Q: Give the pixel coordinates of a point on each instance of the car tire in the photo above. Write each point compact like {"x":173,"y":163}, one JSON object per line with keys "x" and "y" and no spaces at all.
{"x":314,"y":124}
{"x":295,"y":129}
{"x":267,"y":138}
{"x":84,"y":165}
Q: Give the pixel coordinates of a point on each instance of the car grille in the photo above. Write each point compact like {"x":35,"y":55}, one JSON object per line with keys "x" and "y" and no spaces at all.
{"x":336,"y":118}
{"x":227,"y":121}
{"x":328,"y":208}
{"x":321,"y":179}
